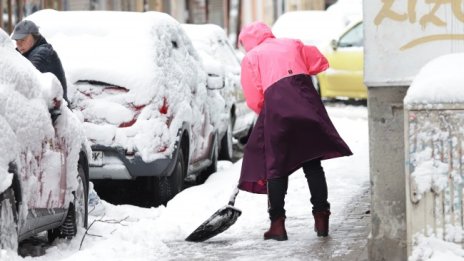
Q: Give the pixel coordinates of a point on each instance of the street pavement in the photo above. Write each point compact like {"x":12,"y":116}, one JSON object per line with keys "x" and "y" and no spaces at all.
{"x":347,"y":240}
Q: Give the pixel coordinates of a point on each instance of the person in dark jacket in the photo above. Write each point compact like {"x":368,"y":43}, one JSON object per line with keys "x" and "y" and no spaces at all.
{"x":32,"y":45}
{"x":293,"y":129}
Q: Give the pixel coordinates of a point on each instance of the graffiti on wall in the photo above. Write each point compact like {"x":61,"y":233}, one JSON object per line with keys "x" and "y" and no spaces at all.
{"x":430,"y":17}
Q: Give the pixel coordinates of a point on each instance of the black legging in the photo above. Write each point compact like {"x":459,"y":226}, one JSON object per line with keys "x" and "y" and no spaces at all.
{"x":277,"y":188}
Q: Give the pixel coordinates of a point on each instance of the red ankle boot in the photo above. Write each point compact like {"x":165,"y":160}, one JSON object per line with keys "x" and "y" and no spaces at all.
{"x":321,"y":222}
{"x":277,"y":230}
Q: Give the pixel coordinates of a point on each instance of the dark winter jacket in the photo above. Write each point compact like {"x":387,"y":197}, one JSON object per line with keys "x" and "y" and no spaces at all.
{"x":45,"y":59}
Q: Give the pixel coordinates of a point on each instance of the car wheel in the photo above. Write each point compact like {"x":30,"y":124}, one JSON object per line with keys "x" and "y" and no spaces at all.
{"x":8,"y":220}
{"x":77,"y":212}
{"x":227,"y":146}
{"x":169,"y":186}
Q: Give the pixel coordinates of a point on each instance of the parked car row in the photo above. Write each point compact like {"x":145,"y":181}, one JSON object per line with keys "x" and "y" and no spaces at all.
{"x":155,"y":108}
{"x":147,"y":106}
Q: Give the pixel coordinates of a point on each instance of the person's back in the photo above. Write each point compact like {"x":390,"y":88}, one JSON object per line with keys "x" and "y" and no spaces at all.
{"x":279,"y":58}
{"x":268,"y":60}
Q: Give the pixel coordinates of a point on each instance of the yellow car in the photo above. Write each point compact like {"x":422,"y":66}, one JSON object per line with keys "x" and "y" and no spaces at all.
{"x":344,"y":78}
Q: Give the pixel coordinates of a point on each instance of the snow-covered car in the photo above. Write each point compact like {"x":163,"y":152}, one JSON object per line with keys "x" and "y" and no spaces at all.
{"x":141,"y":90}
{"x":43,"y":154}
{"x":223,"y":67}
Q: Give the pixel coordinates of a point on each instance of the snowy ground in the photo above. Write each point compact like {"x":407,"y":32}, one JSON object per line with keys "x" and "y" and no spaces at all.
{"x":125,"y":232}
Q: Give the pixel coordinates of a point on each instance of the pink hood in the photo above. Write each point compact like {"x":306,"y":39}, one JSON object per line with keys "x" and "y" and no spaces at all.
{"x":268,"y":60}
{"x":253,"y":34}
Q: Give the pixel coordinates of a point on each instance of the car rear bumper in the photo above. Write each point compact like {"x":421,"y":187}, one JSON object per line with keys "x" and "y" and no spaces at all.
{"x":116,"y":165}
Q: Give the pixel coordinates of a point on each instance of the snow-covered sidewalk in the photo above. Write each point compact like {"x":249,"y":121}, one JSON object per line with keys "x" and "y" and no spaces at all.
{"x":126,"y":232}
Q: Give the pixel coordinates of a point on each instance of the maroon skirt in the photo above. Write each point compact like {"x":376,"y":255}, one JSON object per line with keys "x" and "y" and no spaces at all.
{"x":292,"y":128}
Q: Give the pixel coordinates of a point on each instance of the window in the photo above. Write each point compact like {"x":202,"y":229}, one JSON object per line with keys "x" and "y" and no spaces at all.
{"x":352,"y":38}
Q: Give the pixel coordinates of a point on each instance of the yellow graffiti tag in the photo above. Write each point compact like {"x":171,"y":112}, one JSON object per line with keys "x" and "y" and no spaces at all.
{"x":387,"y":12}
{"x":431,"y":38}
{"x":432,"y":17}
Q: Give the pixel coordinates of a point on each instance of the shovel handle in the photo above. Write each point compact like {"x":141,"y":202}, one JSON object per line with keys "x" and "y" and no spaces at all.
{"x":233,"y":196}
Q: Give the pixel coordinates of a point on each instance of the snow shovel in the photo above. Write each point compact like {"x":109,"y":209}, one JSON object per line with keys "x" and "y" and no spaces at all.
{"x":219,"y":222}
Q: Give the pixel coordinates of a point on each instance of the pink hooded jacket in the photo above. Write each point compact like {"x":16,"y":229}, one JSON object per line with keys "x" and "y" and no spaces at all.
{"x":269,"y":59}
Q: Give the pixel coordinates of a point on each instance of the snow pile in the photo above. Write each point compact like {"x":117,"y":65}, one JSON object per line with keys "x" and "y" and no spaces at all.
{"x":428,"y":173}
{"x":434,"y":249}
{"x":440,"y":81}
{"x":124,"y":67}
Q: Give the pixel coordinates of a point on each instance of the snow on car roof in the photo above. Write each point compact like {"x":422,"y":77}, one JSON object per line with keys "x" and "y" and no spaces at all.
{"x":349,"y":10}
{"x":204,"y":32}
{"x":311,"y":27}
{"x":122,"y":48}
{"x":205,"y":38}
{"x":439,"y":81}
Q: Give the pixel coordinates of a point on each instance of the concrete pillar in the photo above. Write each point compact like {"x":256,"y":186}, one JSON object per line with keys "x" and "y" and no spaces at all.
{"x":387,"y":174}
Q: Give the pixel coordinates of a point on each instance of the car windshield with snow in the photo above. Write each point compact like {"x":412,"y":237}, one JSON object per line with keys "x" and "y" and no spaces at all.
{"x":141,"y":91}
{"x":43,"y":154}
{"x":223,"y":67}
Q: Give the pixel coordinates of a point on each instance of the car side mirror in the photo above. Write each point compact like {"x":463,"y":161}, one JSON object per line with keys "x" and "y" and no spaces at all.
{"x":334,"y":44}
{"x":215,"y":82}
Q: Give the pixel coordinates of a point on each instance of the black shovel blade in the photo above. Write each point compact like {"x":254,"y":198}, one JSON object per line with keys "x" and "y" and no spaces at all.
{"x":219,"y":222}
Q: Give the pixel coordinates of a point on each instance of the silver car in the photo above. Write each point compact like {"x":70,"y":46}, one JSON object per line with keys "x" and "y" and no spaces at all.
{"x":222,"y":64}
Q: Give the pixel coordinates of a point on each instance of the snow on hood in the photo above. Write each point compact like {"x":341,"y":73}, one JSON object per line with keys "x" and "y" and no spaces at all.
{"x":253,"y":34}
{"x":440,"y":81}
